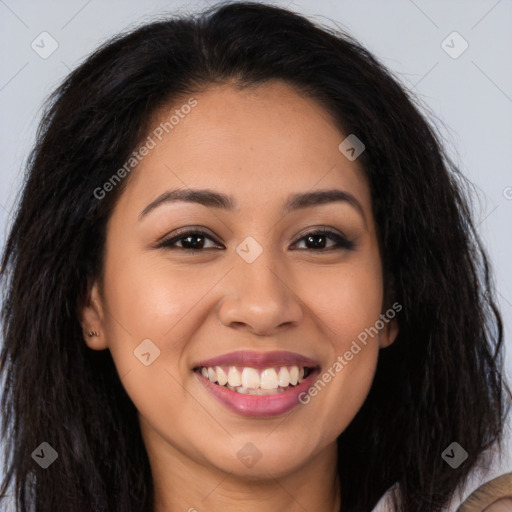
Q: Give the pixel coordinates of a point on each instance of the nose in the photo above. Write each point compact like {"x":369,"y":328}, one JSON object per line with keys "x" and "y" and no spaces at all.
{"x":261,"y":298}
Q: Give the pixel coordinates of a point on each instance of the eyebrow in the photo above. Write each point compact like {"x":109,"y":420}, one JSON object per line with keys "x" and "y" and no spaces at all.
{"x":213,"y":199}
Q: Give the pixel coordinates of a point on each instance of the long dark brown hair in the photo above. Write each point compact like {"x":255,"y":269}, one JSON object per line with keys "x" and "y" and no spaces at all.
{"x":441,"y":381}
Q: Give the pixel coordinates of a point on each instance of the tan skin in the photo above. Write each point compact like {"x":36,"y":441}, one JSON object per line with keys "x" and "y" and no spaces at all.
{"x":259,"y":146}
{"x":503,"y":505}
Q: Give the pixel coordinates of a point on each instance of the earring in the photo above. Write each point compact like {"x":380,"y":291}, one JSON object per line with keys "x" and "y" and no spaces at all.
{"x":92,"y":333}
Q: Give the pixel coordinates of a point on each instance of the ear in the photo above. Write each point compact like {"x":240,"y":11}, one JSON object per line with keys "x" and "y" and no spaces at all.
{"x":92,"y":319}
{"x":390,"y":331}
{"x":388,"y":335}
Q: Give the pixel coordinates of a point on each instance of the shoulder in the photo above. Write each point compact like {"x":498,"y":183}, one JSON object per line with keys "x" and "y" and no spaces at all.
{"x":493,"y":464}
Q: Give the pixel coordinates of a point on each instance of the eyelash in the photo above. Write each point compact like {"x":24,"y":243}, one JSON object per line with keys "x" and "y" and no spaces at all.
{"x":341,"y":241}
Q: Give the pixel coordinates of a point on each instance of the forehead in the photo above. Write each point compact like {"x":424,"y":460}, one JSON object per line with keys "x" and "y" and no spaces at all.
{"x":259,"y":144}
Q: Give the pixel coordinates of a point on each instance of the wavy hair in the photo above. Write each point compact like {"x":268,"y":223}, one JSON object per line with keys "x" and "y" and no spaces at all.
{"x":440,"y":381}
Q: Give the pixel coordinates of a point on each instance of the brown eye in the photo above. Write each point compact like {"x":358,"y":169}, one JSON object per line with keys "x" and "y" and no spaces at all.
{"x":317,"y":241}
{"x":189,"y":240}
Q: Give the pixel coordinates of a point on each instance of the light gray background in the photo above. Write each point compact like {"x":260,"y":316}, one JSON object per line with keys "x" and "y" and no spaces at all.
{"x":471,"y":96}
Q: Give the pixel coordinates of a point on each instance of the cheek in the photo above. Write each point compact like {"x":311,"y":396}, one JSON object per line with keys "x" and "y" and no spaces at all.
{"x":143,"y":304}
{"x":347,"y":299}
{"x":349,"y":390}
{"x":149,"y":300}
{"x":149,"y":297}
{"x":345,"y":381}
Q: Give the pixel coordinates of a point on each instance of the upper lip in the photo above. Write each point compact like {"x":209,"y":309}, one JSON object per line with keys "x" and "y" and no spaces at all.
{"x":259,"y":360}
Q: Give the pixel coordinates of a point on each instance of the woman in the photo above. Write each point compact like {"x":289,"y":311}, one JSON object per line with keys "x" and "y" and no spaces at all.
{"x":243,"y":272}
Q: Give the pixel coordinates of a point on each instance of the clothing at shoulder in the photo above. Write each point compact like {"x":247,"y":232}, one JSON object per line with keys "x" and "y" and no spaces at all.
{"x":492,"y":464}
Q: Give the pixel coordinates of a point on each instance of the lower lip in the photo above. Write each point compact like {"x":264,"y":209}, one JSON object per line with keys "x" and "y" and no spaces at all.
{"x":256,"y":406}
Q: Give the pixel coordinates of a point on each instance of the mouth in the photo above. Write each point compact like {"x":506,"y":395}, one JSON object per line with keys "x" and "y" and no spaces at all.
{"x":255,"y":381}
{"x":258,"y":384}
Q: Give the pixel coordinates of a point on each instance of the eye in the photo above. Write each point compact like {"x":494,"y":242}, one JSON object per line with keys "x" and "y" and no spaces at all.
{"x":189,"y":240}
{"x":317,"y":241}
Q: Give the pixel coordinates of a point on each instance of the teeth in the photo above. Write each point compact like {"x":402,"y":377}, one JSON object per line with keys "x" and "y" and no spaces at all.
{"x":221,"y":376}
{"x":269,"y":379}
{"x":259,"y":391}
{"x":234,"y":378}
{"x":283,"y":377}
{"x":250,"y":378}
{"x":212,"y":375}
{"x":294,"y":375}
{"x":249,"y":381}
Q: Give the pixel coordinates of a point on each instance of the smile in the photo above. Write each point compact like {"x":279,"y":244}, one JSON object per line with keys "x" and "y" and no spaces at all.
{"x":258,"y":384}
{"x":251,"y":381}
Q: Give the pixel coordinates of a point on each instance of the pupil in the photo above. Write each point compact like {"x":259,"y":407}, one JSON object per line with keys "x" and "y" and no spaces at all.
{"x":192,"y":244}
{"x":320,"y":237}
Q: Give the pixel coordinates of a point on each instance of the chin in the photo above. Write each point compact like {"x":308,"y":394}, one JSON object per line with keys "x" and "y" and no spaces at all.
{"x":261,"y":459}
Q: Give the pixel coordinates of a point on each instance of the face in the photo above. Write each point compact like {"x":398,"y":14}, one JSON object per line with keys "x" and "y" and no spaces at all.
{"x":259,"y":286}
